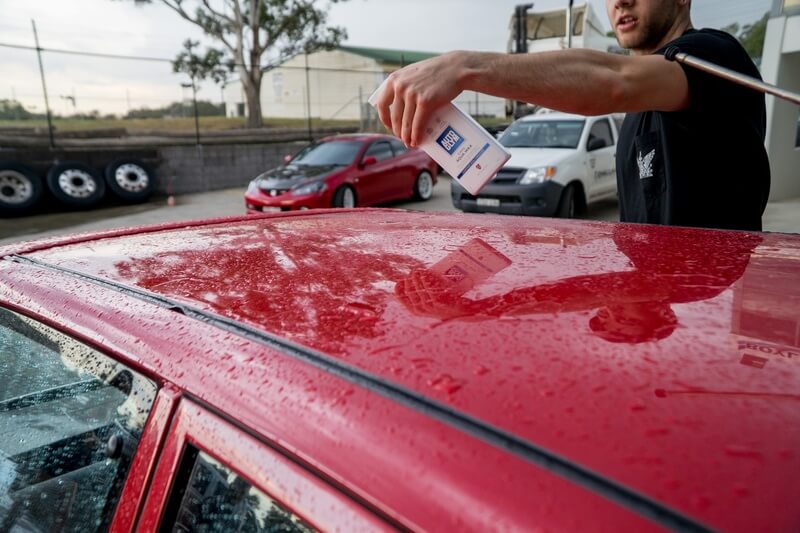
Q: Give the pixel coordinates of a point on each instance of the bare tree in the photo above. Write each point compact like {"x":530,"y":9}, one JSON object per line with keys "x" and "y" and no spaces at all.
{"x":248,"y":29}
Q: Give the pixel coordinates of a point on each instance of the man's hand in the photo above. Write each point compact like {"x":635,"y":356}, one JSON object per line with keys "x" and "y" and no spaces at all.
{"x":411,"y":95}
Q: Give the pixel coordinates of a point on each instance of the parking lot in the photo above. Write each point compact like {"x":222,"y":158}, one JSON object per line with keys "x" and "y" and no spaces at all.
{"x":226,"y":202}
{"x":779,"y":217}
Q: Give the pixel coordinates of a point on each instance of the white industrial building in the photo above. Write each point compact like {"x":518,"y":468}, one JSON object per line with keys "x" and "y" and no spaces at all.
{"x":336,"y":84}
{"x":780,"y":65}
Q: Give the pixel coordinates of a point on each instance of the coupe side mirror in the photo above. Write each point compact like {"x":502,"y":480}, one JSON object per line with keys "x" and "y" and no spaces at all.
{"x":287,"y":158}
{"x":369,"y":160}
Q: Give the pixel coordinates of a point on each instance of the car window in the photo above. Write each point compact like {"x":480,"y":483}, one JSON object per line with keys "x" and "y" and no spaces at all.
{"x":601,"y":130}
{"x":543,"y":134}
{"x":380,"y":150}
{"x":209,"y":496}
{"x":340,"y":153}
{"x":398,"y":147}
{"x":70,"y":422}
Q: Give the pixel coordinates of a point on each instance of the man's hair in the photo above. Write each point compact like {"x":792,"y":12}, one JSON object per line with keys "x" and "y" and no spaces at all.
{"x":635,"y":322}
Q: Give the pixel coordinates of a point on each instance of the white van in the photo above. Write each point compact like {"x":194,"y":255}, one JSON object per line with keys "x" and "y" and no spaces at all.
{"x":559,"y":163}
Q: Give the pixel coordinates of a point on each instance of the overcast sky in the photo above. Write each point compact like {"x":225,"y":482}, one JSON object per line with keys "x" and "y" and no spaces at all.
{"x":120,"y":27}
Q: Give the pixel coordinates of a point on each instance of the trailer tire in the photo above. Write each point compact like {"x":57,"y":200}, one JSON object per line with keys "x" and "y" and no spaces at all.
{"x":130,"y":180}
{"x":75,"y":184}
{"x":20,"y":188}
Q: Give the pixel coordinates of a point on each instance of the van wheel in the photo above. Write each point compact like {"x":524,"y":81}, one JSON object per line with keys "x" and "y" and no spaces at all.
{"x":130,"y":180}
{"x":344,"y":197}
{"x":568,"y":206}
{"x":20,"y":187}
{"x":76,"y":184}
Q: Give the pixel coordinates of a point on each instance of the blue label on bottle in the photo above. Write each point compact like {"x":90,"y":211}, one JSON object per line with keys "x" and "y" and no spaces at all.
{"x":450,"y":140}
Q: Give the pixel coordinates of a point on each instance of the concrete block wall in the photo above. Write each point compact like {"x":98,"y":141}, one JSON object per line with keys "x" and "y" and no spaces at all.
{"x":189,"y":169}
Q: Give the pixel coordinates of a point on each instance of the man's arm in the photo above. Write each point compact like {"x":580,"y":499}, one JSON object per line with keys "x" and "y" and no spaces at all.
{"x":585,"y":82}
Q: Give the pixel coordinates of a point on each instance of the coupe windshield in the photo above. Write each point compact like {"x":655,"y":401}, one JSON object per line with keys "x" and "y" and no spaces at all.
{"x":328,"y":153}
{"x":543,"y":134}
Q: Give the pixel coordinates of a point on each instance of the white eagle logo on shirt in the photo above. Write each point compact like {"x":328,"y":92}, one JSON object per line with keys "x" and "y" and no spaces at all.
{"x":646,"y":164}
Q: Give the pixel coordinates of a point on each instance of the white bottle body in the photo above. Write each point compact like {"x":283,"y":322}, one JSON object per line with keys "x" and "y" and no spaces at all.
{"x":461,"y":146}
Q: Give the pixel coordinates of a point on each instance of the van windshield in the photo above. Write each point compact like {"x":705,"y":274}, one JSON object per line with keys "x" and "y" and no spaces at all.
{"x":543,"y":134}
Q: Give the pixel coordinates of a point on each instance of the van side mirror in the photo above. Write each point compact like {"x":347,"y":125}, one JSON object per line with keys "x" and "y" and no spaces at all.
{"x":595,"y":143}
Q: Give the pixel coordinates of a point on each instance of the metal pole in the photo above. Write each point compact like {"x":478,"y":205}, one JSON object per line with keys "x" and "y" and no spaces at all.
{"x":196,"y":118}
{"x":44,"y":85}
{"x":361,"y":109}
{"x":308,"y":101}
{"x":569,"y":24}
{"x":673,"y":54}
{"x":521,"y":15}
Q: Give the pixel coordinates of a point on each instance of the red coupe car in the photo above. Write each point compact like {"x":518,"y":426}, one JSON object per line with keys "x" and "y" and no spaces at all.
{"x":345,"y":171}
{"x":377,"y":370}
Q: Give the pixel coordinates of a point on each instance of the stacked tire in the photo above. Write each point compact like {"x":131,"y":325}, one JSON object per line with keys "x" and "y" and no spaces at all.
{"x":74,"y":184}
{"x":130,"y":180}
{"x":20,"y":188}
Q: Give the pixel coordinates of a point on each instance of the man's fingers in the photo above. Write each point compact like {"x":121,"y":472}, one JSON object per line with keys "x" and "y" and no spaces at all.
{"x":396,"y":112}
{"x":421,"y":117}
{"x":383,"y":103}
{"x":408,"y":120}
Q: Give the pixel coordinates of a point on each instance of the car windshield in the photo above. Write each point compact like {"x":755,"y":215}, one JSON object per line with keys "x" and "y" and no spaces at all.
{"x":328,"y":153}
{"x":543,"y":134}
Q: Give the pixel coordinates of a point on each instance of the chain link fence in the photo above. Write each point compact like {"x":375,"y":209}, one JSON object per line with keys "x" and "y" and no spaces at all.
{"x":98,"y":95}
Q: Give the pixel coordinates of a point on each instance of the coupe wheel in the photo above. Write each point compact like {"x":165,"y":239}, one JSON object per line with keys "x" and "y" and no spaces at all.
{"x":423,"y":188}
{"x":344,"y":197}
{"x":20,"y":187}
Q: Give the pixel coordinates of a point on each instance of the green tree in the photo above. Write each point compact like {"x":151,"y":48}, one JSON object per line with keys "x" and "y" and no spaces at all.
{"x":246,"y":31}
{"x":751,"y":36}
{"x":178,"y":109}
{"x":13,"y":110}
{"x":212,"y":64}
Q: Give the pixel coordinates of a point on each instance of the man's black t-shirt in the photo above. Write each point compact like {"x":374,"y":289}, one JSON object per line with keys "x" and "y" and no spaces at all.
{"x":705,"y":166}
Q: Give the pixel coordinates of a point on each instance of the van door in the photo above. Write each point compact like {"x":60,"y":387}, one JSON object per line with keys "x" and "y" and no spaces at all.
{"x":600,"y":151}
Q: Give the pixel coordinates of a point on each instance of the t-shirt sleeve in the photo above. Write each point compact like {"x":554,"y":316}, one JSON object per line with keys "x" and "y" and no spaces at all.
{"x":709,"y":94}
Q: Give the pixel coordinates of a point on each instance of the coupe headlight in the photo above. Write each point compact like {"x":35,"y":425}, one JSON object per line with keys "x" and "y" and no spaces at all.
{"x":309,"y":188}
{"x":538,"y":175}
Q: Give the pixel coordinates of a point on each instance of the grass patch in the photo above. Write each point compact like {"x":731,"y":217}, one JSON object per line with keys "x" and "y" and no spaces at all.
{"x":181,"y":124}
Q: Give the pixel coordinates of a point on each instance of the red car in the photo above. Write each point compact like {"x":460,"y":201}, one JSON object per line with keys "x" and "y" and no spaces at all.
{"x":344,"y":171}
{"x":374,"y":370}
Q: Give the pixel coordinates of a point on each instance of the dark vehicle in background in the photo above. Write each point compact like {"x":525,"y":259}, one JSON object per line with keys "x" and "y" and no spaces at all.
{"x":345,"y":171}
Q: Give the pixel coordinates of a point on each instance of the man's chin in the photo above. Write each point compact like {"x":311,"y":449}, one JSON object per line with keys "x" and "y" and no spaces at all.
{"x":628,"y":42}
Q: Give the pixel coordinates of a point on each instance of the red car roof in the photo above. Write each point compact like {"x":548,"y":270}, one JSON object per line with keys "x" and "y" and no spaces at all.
{"x":661,"y":359}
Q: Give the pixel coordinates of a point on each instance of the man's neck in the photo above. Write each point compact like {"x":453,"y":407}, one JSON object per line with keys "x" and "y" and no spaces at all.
{"x":680,"y":27}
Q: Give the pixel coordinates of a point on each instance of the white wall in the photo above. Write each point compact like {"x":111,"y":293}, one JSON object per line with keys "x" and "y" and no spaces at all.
{"x":781,"y":66}
{"x":335,"y":94}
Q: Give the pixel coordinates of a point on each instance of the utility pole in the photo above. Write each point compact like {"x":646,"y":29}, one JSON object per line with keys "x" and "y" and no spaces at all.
{"x":521,"y":39}
{"x":569,"y":24}
{"x":44,"y":86}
